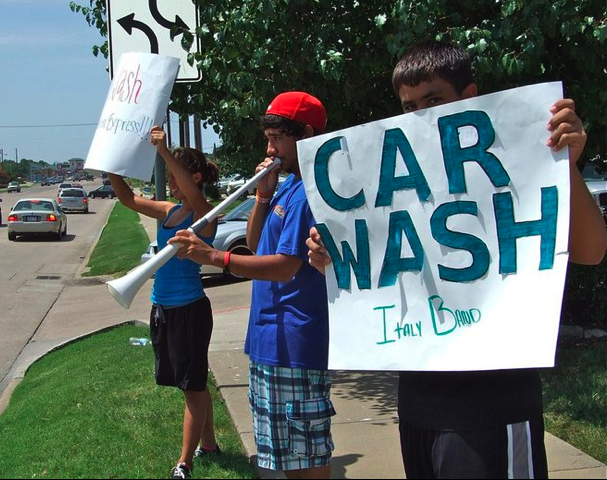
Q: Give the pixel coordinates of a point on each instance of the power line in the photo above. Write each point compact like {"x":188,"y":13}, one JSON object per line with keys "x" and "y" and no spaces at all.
{"x":51,"y":126}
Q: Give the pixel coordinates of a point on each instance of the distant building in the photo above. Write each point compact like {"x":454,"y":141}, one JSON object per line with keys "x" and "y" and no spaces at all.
{"x":76,"y":165}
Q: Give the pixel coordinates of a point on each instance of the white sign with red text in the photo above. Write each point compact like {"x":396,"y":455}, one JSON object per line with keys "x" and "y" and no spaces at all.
{"x":138,"y":99}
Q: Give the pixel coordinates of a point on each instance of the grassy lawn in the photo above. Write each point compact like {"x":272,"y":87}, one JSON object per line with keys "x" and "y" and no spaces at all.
{"x":575,"y":396}
{"x":93,"y":410}
{"x":121,"y":244}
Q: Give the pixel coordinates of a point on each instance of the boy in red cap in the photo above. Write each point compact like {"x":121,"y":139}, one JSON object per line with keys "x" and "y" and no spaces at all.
{"x":288,"y":334}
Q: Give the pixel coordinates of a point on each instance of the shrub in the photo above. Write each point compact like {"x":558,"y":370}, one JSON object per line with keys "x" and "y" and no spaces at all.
{"x":585,"y":299}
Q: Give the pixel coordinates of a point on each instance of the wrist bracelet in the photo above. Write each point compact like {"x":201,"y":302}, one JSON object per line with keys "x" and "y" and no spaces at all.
{"x":261,"y":199}
{"x":226,"y":261}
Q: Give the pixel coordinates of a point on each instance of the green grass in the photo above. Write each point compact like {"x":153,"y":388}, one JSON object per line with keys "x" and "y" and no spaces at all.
{"x":121,"y":244}
{"x":92,"y":410}
{"x":575,"y":396}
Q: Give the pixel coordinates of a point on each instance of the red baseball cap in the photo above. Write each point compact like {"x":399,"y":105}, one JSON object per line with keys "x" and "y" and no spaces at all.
{"x":301,"y":107}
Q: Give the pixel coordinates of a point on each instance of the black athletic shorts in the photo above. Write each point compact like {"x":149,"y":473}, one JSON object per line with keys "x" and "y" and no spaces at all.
{"x":509,"y":451}
{"x":181,"y":338}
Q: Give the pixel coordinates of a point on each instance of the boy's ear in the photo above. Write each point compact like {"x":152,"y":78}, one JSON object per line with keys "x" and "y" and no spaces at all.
{"x":470,"y":91}
{"x":308,"y":131}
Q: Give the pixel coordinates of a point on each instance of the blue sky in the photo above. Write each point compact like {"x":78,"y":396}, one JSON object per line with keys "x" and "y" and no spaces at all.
{"x":49,"y":78}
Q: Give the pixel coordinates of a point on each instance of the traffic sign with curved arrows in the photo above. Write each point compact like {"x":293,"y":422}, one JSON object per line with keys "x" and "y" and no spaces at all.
{"x":151,"y":26}
{"x":129,"y":23}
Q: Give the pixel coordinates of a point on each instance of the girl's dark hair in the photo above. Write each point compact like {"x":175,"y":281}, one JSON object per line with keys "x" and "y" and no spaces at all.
{"x":430,"y":59}
{"x":194,"y":161}
{"x":290,"y":127}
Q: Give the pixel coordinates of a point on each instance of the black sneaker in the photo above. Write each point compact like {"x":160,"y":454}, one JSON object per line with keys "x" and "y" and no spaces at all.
{"x":201,"y":451}
{"x":181,"y":470}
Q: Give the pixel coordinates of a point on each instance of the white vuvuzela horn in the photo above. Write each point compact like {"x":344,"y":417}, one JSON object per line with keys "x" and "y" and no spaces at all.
{"x":125,"y":288}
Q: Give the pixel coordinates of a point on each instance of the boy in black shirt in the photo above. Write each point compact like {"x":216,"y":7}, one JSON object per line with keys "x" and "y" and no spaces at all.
{"x":482,"y":424}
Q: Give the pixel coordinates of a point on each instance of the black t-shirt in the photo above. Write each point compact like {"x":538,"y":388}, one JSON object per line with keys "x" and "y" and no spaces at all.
{"x":469,"y":400}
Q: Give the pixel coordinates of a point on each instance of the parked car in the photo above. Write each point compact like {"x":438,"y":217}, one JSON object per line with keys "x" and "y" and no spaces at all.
{"x":44,"y":182}
{"x":237,"y":182}
{"x":231,"y":236}
{"x":105,"y":191}
{"x":37,"y":216}
{"x":146,"y":192}
{"x":73,"y":200}
{"x":598,"y":190}
{"x":13,"y":187}
{"x":223,"y":183}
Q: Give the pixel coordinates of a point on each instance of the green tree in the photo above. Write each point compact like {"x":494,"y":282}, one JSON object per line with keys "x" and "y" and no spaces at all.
{"x":343,"y":52}
{"x":4,"y":178}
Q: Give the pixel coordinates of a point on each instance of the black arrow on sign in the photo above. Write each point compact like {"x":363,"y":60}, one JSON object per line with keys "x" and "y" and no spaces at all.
{"x":129,"y":22}
{"x":163,"y":22}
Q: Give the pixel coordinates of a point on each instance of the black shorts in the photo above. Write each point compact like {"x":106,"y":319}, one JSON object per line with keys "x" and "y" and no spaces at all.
{"x":509,"y":451}
{"x":181,"y":338}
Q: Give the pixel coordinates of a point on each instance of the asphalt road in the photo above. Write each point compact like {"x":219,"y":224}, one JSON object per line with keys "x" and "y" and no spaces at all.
{"x":34,"y":271}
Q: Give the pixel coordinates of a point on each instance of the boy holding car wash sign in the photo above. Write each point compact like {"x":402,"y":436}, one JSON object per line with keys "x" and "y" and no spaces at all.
{"x":449,"y":235}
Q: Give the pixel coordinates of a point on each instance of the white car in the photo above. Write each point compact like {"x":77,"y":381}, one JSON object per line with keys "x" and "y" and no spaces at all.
{"x":598,"y":190}
{"x":223,"y":183}
{"x":37,"y":216}
{"x":13,"y":187}
{"x":231,"y":236}
{"x":62,"y":186}
{"x":237,"y":182}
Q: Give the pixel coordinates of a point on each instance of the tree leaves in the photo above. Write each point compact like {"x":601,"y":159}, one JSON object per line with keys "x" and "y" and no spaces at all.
{"x":343,"y":52}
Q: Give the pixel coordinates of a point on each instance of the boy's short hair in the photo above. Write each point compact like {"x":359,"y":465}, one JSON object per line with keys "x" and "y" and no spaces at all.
{"x":430,"y":59}
{"x":289,"y":127}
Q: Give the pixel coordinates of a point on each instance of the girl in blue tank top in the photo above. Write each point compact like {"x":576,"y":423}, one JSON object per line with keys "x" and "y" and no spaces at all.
{"x":181,"y":320}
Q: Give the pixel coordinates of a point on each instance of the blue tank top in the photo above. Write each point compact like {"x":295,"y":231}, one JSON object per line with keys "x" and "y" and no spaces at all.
{"x":177,"y":282}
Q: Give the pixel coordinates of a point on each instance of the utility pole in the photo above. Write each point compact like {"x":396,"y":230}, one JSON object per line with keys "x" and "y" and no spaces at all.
{"x":197,"y":133}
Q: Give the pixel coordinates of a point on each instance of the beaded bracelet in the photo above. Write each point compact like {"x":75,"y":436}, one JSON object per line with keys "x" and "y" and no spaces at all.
{"x":261,"y":199}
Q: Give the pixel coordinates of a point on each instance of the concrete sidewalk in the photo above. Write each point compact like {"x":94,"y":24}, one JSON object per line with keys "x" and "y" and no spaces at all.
{"x":365,"y":428}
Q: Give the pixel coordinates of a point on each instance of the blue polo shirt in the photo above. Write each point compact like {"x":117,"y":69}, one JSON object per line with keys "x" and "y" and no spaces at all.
{"x":289,"y":322}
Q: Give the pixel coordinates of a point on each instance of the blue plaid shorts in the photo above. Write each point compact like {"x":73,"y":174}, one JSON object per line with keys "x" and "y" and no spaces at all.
{"x":292,"y":412}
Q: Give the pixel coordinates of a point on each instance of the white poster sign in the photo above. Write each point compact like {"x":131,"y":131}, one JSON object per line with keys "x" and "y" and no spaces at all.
{"x":448,"y":231}
{"x":138,"y":99}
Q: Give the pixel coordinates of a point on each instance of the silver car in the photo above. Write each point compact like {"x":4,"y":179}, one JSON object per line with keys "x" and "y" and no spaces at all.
{"x":37,"y":216}
{"x":13,"y":187}
{"x":73,"y":200}
{"x":231,"y":236}
{"x":223,"y":183}
{"x":238,"y":181}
